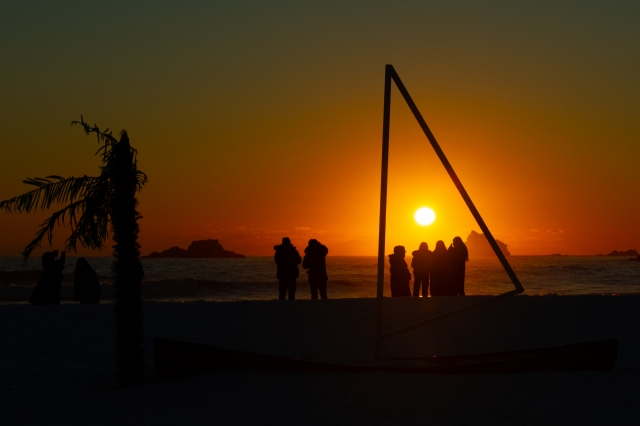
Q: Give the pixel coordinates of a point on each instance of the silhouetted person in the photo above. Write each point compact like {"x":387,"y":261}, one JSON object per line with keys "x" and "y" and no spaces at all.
{"x":458,"y":257}
{"x":421,"y":263}
{"x":86,"y":284}
{"x":315,"y":261}
{"x":441,"y":272}
{"x":47,"y":291}
{"x":287,"y":258}
{"x":400,"y":275}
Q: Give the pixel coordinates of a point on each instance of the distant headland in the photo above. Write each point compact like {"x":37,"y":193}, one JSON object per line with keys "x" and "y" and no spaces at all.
{"x":201,"y":249}
{"x":478,"y":245}
{"x":630,"y":252}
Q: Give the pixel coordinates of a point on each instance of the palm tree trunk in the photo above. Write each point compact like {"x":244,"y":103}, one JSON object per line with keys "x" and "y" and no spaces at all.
{"x":127,"y":268}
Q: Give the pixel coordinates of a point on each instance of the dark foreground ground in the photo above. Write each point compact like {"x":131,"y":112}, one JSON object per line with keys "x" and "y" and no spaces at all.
{"x":57,"y":364}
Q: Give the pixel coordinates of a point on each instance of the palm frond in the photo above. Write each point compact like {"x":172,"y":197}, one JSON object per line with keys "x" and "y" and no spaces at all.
{"x":104,"y":136}
{"x":46,"y":228}
{"x":141,"y":179}
{"x":50,"y":190}
{"x":91,"y":228}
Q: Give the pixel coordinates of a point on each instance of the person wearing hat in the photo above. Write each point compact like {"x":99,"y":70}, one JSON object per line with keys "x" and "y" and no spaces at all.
{"x":400,"y":275}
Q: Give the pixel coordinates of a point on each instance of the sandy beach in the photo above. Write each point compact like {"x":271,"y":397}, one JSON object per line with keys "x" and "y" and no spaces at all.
{"x":58,"y":364}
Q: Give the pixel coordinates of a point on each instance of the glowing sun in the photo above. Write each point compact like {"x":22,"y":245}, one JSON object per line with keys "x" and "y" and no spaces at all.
{"x":425,"y":216}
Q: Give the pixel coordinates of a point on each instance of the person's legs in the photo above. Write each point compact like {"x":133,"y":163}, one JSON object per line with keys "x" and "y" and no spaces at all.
{"x":322,"y":285}
{"x":314,"y":288}
{"x":283,"y":290}
{"x":425,"y":285}
{"x":417,"y":278}
{"x":291,"y":287}
{"x":459,"y":283}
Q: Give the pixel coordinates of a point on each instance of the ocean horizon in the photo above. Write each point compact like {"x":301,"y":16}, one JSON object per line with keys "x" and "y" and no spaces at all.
{"x":254,"y":277}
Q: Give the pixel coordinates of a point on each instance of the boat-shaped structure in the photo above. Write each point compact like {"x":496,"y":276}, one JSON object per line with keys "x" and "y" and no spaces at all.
{"x":176,"y":359}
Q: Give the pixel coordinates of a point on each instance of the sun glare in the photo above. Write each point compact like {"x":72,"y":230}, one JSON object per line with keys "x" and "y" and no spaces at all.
{"x":425,"y":216}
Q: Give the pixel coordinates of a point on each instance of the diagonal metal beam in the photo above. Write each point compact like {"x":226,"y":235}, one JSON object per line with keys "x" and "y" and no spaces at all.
{"x":454,"y":178}
{"x":391,"y":74}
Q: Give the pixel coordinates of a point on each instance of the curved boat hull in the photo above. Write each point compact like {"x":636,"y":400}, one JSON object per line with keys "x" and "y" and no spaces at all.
{"x":176,"y":359}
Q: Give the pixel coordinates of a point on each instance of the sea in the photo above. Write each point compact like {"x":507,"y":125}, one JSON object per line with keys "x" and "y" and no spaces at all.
{"x":254,"y":278}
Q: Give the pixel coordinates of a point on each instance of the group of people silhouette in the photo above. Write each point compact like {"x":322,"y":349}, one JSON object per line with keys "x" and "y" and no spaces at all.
{"x":86,"y":284}
{"x":287,"y":260}
{"x":439,"y":272}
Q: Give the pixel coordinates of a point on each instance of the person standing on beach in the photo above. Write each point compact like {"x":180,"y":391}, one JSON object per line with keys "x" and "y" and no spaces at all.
{"x":47,"y":291}
{"x":315,"y":261}
{"x":421,"y":263}
{"x":400,"y":275}
{"x":441,"y":271}
{"x":458,"y":257}
{"x":287,"y":260}
{"x":86,"y":284}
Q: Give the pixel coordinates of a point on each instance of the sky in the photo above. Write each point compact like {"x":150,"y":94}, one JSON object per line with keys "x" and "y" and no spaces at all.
{"x":257,"y":120}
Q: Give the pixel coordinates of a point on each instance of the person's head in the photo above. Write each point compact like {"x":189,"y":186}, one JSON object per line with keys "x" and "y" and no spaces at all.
{"x":423,"y":246}
{"x":399,"y":251}
{"x":313,"y":242}
{"x":286,"y":241}
{"x":81,"y":263}
{"x":48,"y":259}
{"x":460,"y":245}
{"x":440,"y":245}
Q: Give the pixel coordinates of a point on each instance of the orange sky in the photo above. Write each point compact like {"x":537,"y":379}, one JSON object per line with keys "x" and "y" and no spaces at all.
{"x":254,"y":122}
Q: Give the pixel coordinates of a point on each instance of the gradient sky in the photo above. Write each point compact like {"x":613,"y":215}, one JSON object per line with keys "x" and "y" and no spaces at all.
{"x":255,"y":120}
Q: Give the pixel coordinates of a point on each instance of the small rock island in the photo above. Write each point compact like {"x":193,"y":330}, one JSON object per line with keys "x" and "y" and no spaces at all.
{"x":201,"y":249}
{"x":624,"y":253}
{"x":479,"y":246}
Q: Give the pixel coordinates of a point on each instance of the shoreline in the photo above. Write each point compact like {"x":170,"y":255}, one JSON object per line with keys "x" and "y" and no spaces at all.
{"x":272,"y":296}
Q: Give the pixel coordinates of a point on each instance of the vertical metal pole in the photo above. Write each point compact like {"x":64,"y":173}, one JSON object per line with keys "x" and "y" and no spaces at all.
{"x":383,"y":206}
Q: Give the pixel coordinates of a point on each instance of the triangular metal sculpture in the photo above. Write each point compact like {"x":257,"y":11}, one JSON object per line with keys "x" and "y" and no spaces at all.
{"x":389,"y":75}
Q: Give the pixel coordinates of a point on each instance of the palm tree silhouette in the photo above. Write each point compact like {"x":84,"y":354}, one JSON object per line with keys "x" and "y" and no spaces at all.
{"x":90,"y":203}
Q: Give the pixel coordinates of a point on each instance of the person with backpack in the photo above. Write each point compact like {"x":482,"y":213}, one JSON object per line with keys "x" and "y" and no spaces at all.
{"x":315,"y":261}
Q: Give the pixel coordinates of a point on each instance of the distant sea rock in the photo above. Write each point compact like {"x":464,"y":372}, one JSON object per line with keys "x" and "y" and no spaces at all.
{"x":623,"y":253}
{"x":201,"y":249}
{"x":637,"y":259}
{"x":479,"y":246}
